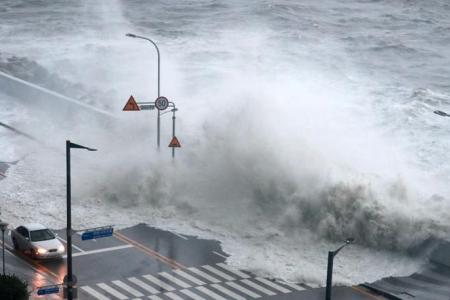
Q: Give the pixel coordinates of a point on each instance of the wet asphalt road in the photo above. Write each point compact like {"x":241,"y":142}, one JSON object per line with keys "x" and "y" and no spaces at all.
{"x":147,"y":263}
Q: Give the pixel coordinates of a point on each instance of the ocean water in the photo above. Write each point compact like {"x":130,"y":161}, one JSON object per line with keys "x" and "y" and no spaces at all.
{"x":301,"y":123}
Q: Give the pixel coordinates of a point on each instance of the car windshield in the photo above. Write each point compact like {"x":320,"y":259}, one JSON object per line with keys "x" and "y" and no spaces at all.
{"x":41,"y":235}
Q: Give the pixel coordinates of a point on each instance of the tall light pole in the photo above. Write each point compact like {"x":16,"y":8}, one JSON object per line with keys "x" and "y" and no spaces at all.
{"x":3,"y":227}
{"x":331,"y":255}
{"x":69,"y":277}
{"x":159,"y":81}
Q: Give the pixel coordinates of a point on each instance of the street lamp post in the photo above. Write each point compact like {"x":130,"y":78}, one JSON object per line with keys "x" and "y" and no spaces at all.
{"x":3,"y":227}
{"x":331,"y":255}
{"x":159,"y":81}
{"x":69,"y":277}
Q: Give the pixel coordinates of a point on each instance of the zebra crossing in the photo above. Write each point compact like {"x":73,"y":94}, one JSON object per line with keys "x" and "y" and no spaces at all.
{"x":208,"y":282}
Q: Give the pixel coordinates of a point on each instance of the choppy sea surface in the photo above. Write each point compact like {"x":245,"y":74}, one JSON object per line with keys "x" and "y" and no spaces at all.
{"x":302,"y":123}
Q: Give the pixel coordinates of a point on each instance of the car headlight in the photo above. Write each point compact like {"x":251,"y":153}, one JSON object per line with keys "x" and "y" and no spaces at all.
{"x":61,"y":248}
{"x":41,"y":251}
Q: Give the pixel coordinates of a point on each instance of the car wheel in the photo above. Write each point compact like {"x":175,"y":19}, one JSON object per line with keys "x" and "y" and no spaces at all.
{"x":16,"y":246}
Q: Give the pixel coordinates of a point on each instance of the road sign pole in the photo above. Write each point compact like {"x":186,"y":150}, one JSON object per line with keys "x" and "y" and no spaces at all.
{"x":69,"y":226}
{"x":3,"y":250}
{"x":158,"y":129}
{"x":173,"y":131}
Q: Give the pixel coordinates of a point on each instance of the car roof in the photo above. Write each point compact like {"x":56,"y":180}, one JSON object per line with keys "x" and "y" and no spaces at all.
{"x":34,"y":226}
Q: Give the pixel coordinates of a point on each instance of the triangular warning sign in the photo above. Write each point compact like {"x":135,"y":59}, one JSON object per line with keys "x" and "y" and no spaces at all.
{"x":174,"y":143}
{"x":131,"y":105}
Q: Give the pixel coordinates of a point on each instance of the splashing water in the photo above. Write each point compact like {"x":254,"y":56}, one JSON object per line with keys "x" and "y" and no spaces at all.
{"x":301,"y":125}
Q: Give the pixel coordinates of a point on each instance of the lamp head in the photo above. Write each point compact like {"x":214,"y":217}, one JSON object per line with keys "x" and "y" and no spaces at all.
{"x":349,"y":241}
{"x":130,"y":35}
{"x":3,"y":226}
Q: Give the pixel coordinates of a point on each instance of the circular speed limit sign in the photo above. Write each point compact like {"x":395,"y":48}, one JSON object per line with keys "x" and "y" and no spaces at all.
{"x":161,"y":103}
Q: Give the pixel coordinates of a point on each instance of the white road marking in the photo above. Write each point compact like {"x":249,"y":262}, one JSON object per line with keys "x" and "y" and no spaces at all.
{"x":74,"y":246}
{"x":227,"y":292}
{"x":204,"y":275}
{"x":159,"y":283}
{"x":218,"y":254}
{"x":273,"y":285}
{"x":173,"y":296}
{"x":294,"y":286}
{"x":143,"y":285}
{"x":155,"y":297}
{"x":112,"y":291}
{"x":232,"y":270}
{"x":128,"y":288}
{"x":218,"y":273}
{"x":192,"y":295}
{"x":258,"y":287}
{"x":189,"y":277}
{"x":210,"y":293}
{"x":101,"y":250}
{"x":243,"y":289}
{"x":94,"y":293}
{"x":180,"y":236}
{"x":175,"y":280}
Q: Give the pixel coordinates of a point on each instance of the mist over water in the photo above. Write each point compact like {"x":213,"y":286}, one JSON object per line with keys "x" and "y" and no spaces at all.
{"x":301,"y":124}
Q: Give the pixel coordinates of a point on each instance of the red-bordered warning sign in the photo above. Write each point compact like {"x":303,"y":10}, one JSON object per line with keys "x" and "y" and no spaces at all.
{"x":174,"y":143}
{"x":131,"y":105}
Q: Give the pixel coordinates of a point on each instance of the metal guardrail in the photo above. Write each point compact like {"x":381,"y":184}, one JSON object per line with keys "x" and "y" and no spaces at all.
{"x":50,"y":101}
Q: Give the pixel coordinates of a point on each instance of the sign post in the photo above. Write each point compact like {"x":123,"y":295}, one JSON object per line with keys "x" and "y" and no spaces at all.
{"x":161,"y":103}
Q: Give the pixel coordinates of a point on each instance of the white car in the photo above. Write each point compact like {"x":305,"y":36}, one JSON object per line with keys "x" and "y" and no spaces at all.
{"x":37,"y":240}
